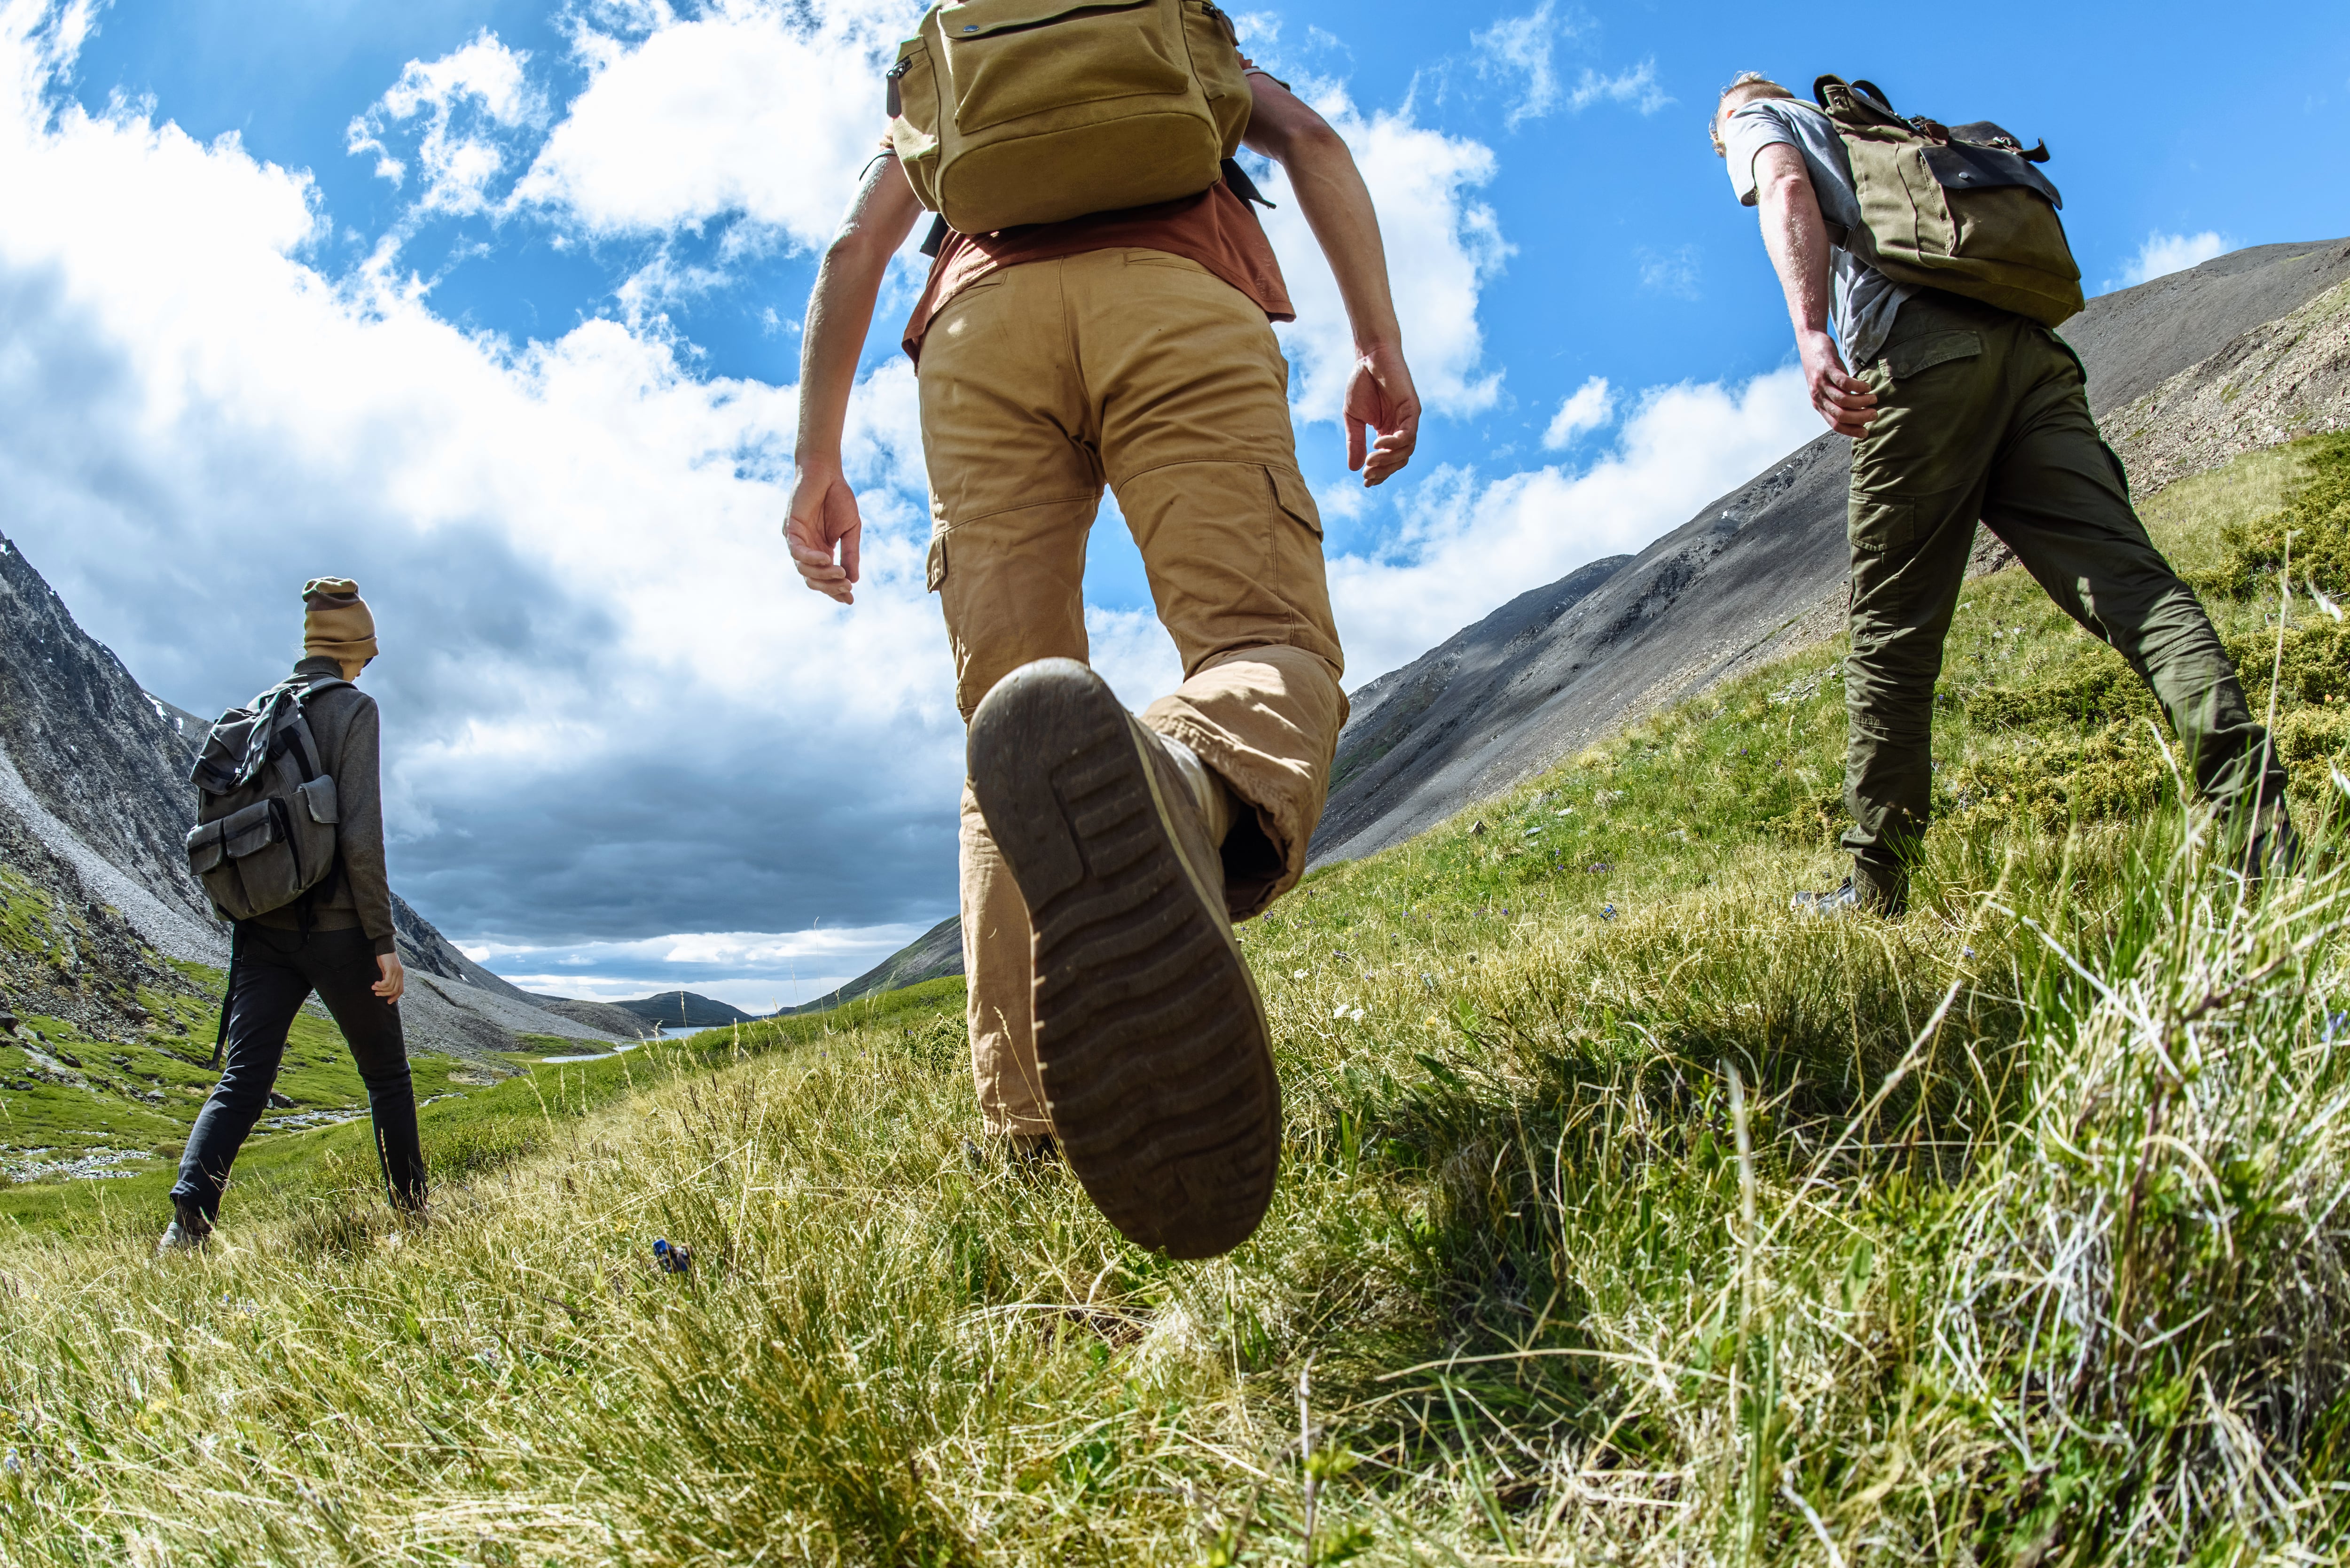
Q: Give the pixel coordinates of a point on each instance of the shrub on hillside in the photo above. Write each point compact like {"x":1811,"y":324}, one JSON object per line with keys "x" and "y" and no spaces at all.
{"x":2313,"y":666}
{"x":2096,"y":686}
{"x":2318,"y":518}
{"x":2053,"y":781}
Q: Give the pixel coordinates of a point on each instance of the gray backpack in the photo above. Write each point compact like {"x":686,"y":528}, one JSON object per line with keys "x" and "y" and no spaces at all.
{"x":265,"y":833}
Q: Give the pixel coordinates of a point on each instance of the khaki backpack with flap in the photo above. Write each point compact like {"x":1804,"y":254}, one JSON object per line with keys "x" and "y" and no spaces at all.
{"x":1960,"y":208}
{"x":1010,"y":112}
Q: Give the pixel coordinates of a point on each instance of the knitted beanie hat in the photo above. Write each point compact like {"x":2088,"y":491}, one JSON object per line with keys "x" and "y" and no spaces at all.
{"x":336,"y":621}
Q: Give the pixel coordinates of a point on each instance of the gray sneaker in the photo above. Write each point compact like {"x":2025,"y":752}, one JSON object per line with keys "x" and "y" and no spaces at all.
{"x":1841,"y":901}
{"x":189,"y":1231}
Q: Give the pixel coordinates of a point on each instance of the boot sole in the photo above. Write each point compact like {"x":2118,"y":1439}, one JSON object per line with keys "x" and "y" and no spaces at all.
{"x":1150,"y":1036}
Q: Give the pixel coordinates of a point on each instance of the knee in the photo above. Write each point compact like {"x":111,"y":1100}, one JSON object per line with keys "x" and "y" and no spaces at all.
{"x":385,"y":1076}
{"x":383,"y":1066}
{"x":244,"y":1083}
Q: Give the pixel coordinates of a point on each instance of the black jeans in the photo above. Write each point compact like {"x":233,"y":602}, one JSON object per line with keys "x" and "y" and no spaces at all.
{"x":275,"y":972}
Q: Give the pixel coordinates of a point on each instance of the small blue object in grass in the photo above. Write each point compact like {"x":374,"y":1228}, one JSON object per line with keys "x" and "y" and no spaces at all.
{"x":2335,"y":1023}
{"x":674,"y":1258}
{"x":1606,"y":911}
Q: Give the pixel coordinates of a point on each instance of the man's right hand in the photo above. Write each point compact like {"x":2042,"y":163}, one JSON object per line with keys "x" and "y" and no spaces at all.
{"x":824,"y":515}
{"x":1842,"y":399}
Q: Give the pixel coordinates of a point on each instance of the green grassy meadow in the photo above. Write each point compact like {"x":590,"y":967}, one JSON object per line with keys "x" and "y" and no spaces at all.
{"x":1628,"y":1216}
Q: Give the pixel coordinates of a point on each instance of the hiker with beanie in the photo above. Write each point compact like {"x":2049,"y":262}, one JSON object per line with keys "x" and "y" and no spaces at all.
{"x":290,"y":844}
{"x":1935,"y":255}
{"x":1099,"y":311}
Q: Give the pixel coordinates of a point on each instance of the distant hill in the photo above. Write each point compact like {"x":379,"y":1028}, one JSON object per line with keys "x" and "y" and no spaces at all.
{"x":936,"y":952}
{"x":604,"y":1016}
{"x":683,"y":1010}
{"x":1762,"y":571}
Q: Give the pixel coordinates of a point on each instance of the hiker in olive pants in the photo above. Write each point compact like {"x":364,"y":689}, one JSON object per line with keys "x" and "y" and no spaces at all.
{"x":1963,"y":411}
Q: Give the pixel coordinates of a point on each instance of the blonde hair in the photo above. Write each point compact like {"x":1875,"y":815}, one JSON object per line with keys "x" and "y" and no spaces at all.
{"x":1746,"y":86}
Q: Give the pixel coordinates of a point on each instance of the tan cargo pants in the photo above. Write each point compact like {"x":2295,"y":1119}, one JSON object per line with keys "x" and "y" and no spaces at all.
{"x":1146,"y":371}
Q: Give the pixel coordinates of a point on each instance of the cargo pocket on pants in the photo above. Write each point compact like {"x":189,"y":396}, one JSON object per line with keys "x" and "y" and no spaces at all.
{"x":934,"y":575}
{"x":1289,"y":494}
{"x":1879,"y":526}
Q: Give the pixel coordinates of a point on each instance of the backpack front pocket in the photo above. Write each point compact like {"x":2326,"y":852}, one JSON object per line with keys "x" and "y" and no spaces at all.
{"x":247,"y":861}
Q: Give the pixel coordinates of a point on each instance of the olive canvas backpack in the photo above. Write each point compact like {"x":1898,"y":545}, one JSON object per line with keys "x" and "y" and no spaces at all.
{"x":1010,"y":112}
{"x":1962,"y":208}
{"x":266,"y":808}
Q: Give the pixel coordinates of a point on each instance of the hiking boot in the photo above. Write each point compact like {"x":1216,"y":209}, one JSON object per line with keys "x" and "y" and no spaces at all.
{"x":189,"y":1231}
{"x":1150,"y":1038}
{"x":2275,"y":847}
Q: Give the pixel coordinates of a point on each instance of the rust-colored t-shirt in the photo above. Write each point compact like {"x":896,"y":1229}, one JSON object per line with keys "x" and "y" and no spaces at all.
{"x":1214,"y":228}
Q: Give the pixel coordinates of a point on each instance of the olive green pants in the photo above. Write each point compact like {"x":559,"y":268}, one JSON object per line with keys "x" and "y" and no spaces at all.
{"x":1985,"y":416}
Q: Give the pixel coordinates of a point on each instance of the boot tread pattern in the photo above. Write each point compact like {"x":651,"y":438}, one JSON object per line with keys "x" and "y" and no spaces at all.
{"x":1149,"y":1038}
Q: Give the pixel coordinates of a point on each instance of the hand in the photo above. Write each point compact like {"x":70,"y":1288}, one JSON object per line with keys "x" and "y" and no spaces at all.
{"x":394,"y":983}
{"x":823,"y":514}
{"x":1846,"y":402}
{"x":1380,"y":395}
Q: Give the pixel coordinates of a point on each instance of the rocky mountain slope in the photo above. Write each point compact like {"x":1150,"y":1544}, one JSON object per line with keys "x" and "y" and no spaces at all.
{"x":936,"y":953}
{"x":1762,"y":570}
{"x":94,"y":803}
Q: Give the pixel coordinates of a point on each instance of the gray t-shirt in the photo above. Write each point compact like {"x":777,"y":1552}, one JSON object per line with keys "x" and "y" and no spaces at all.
{"x":1865,"y":299}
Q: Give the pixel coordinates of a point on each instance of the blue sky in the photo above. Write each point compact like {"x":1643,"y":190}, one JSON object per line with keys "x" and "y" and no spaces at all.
{"x":535,"y":391}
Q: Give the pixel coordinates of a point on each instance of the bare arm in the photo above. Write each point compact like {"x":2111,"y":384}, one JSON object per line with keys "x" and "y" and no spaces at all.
{"x":1797,"y":239}
{"x":1337,"y":207}
{"x":824,"y":513}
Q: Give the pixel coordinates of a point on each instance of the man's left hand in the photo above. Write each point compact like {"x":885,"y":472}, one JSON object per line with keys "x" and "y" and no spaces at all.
{"x":394,"y":983}
{"x":1380,"y":396}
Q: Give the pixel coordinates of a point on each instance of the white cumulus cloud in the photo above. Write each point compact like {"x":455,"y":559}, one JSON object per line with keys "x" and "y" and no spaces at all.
{"x":1636,"y":87}
{"x":1523,"y":48}
{"x":461,"y":103}
{"x":751,"y":107}
{"x":2163,"y":254}
{"x":1442,"y":244}
{"x":1587,"y":409}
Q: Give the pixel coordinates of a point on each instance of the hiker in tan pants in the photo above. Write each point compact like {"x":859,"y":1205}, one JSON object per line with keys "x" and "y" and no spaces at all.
{"x":1131,"y":349}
